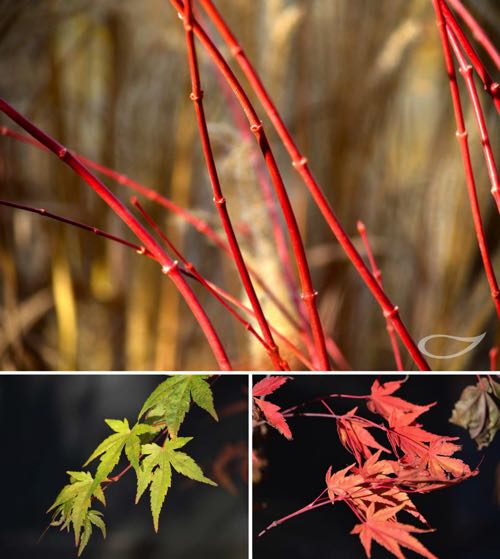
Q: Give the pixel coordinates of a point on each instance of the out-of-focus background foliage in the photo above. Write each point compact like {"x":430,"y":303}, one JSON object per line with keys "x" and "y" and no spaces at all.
{"x":61,"y":423}
{"x":363,"y":88}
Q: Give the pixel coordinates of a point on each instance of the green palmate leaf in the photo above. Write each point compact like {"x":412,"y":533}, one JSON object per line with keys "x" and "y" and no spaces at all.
{"x":110,"y":450}
{"x":156,"y":472}
{"x":171,"y":400}
{"x":72,"y":507}
{"x":93,"y":518}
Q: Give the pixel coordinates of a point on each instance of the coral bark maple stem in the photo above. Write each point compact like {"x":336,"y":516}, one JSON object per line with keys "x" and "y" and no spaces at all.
{"x":478,"y":32}
{"x":467,"y":74}
{"x":464,"y":147}
{"x":491,"y":87}
{"x":299,"y":162}
{"x":309,"y":295}
{"x":169,"y":267}
{"x":378,"y":275}
{"x":219,"y":200}
{"x":199,"y":224}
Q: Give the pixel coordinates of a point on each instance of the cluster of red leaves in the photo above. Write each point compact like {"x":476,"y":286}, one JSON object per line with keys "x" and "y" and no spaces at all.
{"x":270,"y":412}
{"x":377,"y":489}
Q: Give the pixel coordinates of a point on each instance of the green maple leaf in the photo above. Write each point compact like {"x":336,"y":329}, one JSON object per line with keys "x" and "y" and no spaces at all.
{"x":72,"y":507}
{"x":156,"y":471}
{"x":171,"y":400}
{"x":110,"y":450}
{"x":93,"y":518}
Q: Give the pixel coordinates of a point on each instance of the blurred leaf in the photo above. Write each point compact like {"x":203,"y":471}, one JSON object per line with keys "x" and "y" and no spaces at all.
{"x":477,"y":411}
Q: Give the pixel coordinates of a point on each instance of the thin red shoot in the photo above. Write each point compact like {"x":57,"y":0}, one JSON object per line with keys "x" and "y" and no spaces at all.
{"x":309,"y":295}
{"x":200,"y":225}
{"x":299,"y":161}
{"x":168,"y":267}
{"x":378,"y":276}
{"x":464,"y":146}
{"x":493,"y":88}
{"x":466,"y":72}
{"x":219,"y":200}
{"x":478,"y":32}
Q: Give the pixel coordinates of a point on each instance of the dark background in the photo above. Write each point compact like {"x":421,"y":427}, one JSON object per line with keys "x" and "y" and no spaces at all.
{"x":466,"y":517}
{"x":49,"y":425}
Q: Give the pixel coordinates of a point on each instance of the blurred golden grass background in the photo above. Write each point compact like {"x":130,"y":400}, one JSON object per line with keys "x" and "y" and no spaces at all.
{"x":362,"y":87}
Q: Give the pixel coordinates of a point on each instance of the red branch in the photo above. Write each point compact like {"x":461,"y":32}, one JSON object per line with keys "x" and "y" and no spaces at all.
{"x":219,"y":200}
{"x":169,"y":267}
{"x":464,"y":146}
{"x":308,"y":293}
{"x":300,"y":163}
{"x":478,"y":32}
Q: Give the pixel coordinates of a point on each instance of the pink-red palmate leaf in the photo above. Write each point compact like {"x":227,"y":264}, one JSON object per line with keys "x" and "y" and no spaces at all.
{"x":274,"y":417}
{"x":356,"y":437}
{"x":268,"y":385}
{"x":382,"y":401}
{"x":381,"y":526}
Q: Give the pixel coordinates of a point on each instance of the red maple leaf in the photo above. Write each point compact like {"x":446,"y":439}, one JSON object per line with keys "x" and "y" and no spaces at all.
{"x":409,"y":436}
{"x":381,"y":526}
{"x":370,"y":483}
{"x":437,"y":460}
{"x":382,"y":402}
{"x":268,"y":385}
{"x":356,"y":437}
{"x":274,"y":417}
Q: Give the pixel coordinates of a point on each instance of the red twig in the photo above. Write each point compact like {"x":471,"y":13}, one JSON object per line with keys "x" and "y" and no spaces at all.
{"x":378,"y":276}
{"x":169,"y":267}
{"x":308,"y":293}
{"x":313,"y":505}
{"x":200,"y":225}
{"x":466,"y":72}
{"x":221,"y":295}
{"x":493,"y":358}
{"x":478,"y":32}
{"x":277,"y":228}
{"x":464,"y":146}
{"x":493,"y":88}
{"x":43,"y":212}
{"x":219,"y":200}
{"x":300,"y":163}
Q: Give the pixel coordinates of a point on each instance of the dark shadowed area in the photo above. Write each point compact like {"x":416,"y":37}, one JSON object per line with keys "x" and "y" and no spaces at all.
{"x":466,"y":517}
{"x":52,"y":424}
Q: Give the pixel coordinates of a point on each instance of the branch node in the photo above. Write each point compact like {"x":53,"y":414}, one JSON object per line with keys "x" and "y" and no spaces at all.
{"x":466,"y":70}
{"x":256,"y":127}
{"x":300,"y":163}
{"x":463,"y":134}
{"x":62,"y":153}
{"x":167,"y":270}
{"x":236,"y":50}
{"x":141,"y":250}
{"x":196,"y":97}
{"x":219,"y":201}
{"x":392,"y":313}
{"x":309,"y":296}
